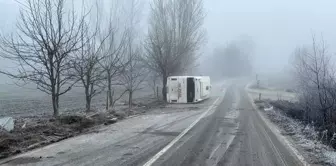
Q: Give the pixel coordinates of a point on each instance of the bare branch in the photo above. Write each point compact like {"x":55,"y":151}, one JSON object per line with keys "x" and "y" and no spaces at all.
{"x":316,"y":80}
{"x":174,"y":36}
{"x":48,"y":35}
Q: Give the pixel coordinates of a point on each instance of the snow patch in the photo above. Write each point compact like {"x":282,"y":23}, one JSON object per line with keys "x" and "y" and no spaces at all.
{"x":232,"y":114}
{"x":306,"y":137}
{"x":268,"y":109}
{"x":331,"y":156}
{"x":275,"y":130}
{"x":7,"y":123}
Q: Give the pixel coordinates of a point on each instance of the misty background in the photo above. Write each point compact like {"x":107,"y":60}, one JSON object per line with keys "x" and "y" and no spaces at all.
{"x":275,"y":28}
{"x":282,"y":45}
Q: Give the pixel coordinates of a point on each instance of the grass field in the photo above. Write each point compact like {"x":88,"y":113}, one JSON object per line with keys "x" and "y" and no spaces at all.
{"x":17,"y":101}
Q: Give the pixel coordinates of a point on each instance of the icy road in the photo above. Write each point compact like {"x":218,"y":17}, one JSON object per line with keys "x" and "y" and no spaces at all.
{"x":224,"y":130}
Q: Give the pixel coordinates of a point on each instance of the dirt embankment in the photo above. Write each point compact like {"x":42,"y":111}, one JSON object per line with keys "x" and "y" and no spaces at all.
{"x":33,"y":132}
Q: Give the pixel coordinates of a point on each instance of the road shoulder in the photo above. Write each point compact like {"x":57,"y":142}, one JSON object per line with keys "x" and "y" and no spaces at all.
{"x":286,"y":141}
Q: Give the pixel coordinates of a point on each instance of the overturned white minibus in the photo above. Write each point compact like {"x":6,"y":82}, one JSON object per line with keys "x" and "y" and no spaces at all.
{"x":188,"y":89}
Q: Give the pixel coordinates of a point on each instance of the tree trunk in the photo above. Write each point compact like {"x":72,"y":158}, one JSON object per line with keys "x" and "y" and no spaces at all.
{"x":55,"y":105}
{"x":87,"y":99}
{"x":88,"y":104}
{"x":110,"y":95}
{"x":54,"y":98}
{"x":325,"y":120}
{"x":130,"y":99}
{"x":164,"y":89}
{"x":107,"y":101}
{"x":154,"y":87}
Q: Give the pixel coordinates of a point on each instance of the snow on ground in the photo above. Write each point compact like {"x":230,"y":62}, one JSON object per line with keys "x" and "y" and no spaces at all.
{"x":303,"y":136}
{"x":272,"y":94}
{"x":258,"y":106}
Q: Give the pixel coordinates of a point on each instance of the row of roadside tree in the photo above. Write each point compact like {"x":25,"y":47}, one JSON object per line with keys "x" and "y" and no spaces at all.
{"x":57,"y":45}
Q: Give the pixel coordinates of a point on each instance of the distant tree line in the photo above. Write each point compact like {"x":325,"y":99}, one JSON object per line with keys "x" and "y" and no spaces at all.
{"x":233,"y":59}
{"x":57,"y":47}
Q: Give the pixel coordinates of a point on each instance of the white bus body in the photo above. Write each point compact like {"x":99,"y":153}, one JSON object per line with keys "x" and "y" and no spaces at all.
{"x":188,"y":89}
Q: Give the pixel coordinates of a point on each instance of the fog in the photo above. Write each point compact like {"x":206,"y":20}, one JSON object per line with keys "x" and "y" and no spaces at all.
{"x":111,"y":59}
{"x":275,"y":27}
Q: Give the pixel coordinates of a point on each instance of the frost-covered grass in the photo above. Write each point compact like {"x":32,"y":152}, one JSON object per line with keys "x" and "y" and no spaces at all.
{"x":31,"y":104}
{"x":305,"y":136}
{"x":271,"y":93}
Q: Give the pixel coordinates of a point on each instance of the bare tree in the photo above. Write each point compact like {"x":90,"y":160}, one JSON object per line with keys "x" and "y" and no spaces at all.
{"x":175,"y":35}
{"x":316,"y":80}
{"x":47,"y":36}
{"x":85,"y":65}
{"x":153,"y":82}
{"x":109,"y":45}
{"x":134,"y":73}
{"x":112,"y":51}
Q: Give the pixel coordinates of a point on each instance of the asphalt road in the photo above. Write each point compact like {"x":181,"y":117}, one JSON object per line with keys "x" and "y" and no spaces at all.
{"x":129,"y":142}
{"x":232,"y":133}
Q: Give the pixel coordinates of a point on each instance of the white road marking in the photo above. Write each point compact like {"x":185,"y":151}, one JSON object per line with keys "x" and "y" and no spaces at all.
{"x":184,"y":141}
{"x":166,"y":148}
{"x":233,"y":114}
{"x":213,"y":152}
{"x":226,"y":145}
{"x":275,"y":149}
{"x":275,"y":130}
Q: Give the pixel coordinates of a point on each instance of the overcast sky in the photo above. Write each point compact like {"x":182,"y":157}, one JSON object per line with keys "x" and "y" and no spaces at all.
{"x":276,"y":26}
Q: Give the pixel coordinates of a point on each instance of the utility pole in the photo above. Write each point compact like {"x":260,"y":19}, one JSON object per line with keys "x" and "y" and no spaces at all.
{"x":257,"y":80}
{"x":259,"y":96}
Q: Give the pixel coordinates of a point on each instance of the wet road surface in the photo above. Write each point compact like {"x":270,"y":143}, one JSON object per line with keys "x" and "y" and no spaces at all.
{"x":230,"y":133}
{"x":233,"y":135}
